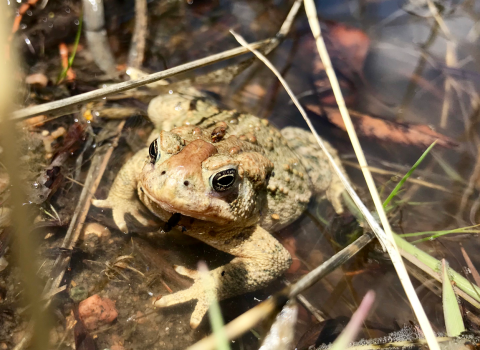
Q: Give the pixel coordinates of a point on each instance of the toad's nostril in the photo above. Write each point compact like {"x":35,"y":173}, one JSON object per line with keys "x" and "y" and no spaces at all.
{"x":186,"y":183}
{"x":163,"y":172}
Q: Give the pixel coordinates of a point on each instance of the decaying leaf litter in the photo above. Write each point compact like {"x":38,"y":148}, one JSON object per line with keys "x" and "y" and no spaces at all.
{"x":110,"y":264}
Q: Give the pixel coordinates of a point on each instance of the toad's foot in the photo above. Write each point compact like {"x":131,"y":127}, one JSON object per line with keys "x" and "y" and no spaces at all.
{"x":120,"y":207}
{"x":195,"y":292}
{"x":259,"y":259}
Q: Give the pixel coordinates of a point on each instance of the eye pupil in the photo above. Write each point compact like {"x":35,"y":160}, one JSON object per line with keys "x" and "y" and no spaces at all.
{"x":223,"y":180}
{"x":153,"y":152}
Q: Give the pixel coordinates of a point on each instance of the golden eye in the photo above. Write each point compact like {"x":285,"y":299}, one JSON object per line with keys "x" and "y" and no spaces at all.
{"x":154,"y":152}
{"x":224,"y":179}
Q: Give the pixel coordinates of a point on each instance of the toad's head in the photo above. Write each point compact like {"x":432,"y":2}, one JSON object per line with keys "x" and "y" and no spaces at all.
{"x":199,"y":175}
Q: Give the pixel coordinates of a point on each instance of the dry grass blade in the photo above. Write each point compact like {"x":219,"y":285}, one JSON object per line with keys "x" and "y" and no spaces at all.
{"x":394,"y":173}
{"x":387,"y":239}
{"x":450,"y":60}
{"x":25,"y":246}
{"x":473,"y":270}
{"x":66,"y":105}
{"x":137,"y":46}
{"x":388,"y":243}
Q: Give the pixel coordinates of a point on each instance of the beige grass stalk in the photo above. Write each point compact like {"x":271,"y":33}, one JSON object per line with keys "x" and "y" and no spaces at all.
{"x":387,"y":240}
{"x":450,"y":61}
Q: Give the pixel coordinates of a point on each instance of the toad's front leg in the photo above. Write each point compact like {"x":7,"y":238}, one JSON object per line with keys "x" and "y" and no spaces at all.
{"x":122,"y":198}
{"x":259,"y":259}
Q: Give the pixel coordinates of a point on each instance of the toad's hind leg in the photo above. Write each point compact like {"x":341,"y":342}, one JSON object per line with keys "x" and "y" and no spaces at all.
{"x":324,"y":180}
{"x":259,"y":259}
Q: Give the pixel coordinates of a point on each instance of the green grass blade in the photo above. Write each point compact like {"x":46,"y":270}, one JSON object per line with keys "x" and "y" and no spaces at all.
{"x":435,"y":234}
{"x":63,"y":74}
{"x":407,"y":175}
{"x":460,"y":281}
{"x":451,"y":310}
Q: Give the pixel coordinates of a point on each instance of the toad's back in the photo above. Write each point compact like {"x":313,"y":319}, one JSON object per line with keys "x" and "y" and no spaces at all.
{"x":300,"y":167}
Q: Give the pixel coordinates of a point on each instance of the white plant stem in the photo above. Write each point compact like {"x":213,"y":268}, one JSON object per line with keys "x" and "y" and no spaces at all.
{"x":386,"y":238}
{"x":386,"y":241}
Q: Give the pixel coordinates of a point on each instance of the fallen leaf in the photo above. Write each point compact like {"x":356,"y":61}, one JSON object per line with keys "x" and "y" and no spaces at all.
{"x":386,"y":130}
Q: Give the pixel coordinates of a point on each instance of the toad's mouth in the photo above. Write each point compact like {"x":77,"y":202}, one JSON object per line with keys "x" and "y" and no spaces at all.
{"x":206,"y":214}
{"x":172,"y":222}
{"x":167,"y":206}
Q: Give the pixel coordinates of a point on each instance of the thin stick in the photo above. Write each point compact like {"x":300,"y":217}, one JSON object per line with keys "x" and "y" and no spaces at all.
{"x":287,"y":24}
{"x":380,"y":171}
{"x":95,"y":173}
{"x":263,"y":310}
{"x":137,"y":46}
{"x":387,"y":239}
{"x":450,"y":61}
{"x":65,"y":105}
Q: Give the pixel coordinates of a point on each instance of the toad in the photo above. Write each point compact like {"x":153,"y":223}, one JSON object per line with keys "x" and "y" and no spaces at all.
{"x":228,"y":179}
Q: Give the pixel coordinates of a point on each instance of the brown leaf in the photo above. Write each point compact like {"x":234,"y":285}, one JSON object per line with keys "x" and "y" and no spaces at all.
{"x":386,"y":130}
{"x":347,"y":47}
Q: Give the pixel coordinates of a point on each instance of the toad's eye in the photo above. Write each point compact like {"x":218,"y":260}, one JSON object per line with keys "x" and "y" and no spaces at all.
{"x":224,"y":179}
{"x":154,"y":152}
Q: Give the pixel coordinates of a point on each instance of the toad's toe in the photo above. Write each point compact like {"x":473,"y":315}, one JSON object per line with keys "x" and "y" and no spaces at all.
{"x":178,"y":298}
{"x":181,"y":270}
{"x":200,"y":310}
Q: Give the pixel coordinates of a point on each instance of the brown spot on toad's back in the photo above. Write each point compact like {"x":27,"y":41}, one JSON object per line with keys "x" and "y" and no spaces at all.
{"x":218,"y":133}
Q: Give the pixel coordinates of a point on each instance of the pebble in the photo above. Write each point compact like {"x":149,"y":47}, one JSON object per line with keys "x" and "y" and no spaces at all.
{"x":37,"y":79}
{"x":96,"y":311}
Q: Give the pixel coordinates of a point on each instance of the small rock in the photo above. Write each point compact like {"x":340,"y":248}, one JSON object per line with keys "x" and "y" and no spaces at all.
{"x":93,"y":229}
{"x":3,"y":264}
{"x":117,"y":347}
{"x":35,"y":121}
{"x":59,"y":132}
{"x":96,"y":311}
{"x":37,"y":79}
